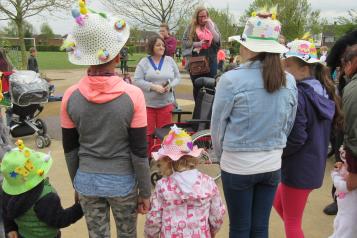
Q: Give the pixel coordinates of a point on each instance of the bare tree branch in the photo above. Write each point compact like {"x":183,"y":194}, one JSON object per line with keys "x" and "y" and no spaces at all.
{"x":151,"y":13}
{"x":18,"y":10}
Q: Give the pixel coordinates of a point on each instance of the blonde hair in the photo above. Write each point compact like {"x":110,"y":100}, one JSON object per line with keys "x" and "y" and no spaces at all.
{"x":194,"y":21}
{"x":168,"y":166}
{"x":323,"y":48}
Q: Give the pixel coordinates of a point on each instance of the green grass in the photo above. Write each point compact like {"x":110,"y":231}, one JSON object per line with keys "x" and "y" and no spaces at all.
{"x":59,"y":60}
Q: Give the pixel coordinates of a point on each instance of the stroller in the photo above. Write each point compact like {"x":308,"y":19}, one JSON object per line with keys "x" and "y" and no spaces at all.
{"x":28,"y":94}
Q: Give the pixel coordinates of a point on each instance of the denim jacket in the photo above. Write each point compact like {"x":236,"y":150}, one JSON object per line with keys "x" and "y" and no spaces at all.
{"x":246,"y":117}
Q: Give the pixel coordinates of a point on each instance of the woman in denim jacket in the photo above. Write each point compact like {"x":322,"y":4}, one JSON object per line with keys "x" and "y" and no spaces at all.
{"x":253,"y":113}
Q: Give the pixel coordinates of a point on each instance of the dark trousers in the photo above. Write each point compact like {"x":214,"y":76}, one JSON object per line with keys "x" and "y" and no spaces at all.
{"x":124,"y":66}
{"x":220,"y":65}
{"x":249,"y":201}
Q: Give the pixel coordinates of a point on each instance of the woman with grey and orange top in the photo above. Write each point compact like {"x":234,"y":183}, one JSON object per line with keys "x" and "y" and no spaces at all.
{"x":156,"y":75}
{"x":103,"y":122}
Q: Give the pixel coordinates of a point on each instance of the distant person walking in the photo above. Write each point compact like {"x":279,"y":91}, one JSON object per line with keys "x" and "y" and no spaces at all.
{"x":221,"y":58}
{"x":124,"y":57}
{"x":170,"y":40}
{"x":32,"y":61}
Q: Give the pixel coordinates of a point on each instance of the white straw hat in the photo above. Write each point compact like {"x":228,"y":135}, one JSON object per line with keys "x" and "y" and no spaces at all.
{"x":261,"y":33}
{"x":304,"y":50}
{"x":96,"y":38}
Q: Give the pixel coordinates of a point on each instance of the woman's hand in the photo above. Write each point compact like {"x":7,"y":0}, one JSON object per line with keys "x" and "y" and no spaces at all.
{"x":158,"y":88}
{"x":12,"y":234}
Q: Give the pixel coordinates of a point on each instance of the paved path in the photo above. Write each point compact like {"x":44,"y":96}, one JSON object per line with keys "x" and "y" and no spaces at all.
{"x":316,"y":224}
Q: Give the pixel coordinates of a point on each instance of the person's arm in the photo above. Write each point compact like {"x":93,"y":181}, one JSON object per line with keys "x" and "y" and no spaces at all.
{"x":351,"y":181}
{"x":138,"y":144}
{"x":139,"y":77}
{"x":170,"y":45}
{"x":214,"y":30}
{"x":177,"y":76}
{"x":9,"y":224}
{"x":50,"y":211}
{"x":222,"y":107}
{"x":217,"y":211}
{"x":154,"y":217}
{"x":299,"y":133}
{"x":70,"y":136}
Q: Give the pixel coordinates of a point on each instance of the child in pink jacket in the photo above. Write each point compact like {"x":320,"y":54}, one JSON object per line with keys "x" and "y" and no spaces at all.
{"x":186,"y":202}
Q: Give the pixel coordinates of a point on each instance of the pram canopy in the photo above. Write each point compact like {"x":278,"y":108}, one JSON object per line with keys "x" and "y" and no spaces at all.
{"x":26,"y":88}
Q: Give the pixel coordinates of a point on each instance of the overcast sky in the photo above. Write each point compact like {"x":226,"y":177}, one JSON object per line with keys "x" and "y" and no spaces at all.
{"x":62,"y":23}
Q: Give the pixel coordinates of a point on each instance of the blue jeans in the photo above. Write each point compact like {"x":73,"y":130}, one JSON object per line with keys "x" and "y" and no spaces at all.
{"x":249,"y":200}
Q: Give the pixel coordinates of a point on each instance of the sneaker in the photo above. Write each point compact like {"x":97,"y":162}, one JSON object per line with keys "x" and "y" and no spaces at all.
{"x":331,"y":209}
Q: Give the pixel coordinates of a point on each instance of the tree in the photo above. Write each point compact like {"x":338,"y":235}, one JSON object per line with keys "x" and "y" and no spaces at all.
{"x":224,"y":21}
{"x":46,"y":30}
{"x":18,"y":10}
{"x":11,"y":29}
{"x":346,"y":24}
{"x":296,"y":16}
{"x":151,"y":13}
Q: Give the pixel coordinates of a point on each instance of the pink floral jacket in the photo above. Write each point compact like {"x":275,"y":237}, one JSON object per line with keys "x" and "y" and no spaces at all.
{"x":185,"y":205}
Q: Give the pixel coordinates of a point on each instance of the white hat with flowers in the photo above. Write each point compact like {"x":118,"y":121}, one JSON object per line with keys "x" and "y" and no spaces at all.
{"x":96,"y":38}
{"x":261,"y":32}
{"x":303,"y":49}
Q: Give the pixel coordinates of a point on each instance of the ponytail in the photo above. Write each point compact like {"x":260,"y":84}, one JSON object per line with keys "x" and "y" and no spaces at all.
{"x":322,"y":74}
{"x":273,"y":72}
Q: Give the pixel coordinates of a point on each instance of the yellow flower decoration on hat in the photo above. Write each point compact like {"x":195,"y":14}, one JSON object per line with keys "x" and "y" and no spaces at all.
{"x":20,"y":144}
{"x":82,"y":7}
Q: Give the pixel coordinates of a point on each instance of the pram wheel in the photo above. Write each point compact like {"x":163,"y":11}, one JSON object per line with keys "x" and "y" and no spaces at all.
{"x":42,"y":128}
{"x":47,"y":140}
{"x":40,"y":142}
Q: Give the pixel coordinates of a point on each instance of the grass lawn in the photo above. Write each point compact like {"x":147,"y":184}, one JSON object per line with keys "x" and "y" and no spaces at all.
{"x":59,"y":60}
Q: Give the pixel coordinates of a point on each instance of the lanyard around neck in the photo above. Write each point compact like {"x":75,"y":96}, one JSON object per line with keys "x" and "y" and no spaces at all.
{"x":157,"y":69}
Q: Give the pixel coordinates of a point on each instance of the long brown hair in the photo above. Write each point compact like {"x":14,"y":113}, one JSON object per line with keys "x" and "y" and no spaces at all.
{"x":322,"y":74}
{"x":273,"y":71}
{"x":194,"y":21}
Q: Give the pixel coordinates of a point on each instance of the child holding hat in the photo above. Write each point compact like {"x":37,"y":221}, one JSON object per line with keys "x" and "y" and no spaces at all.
{"x":104,"y":123}
{"x":31,"y":206}
{"x":186,"y":202}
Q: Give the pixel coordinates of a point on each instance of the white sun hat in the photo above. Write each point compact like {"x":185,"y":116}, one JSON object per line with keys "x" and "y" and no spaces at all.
{"x":96,"y":38}
{"x":304,"y":50}
{"x":261,"y":33}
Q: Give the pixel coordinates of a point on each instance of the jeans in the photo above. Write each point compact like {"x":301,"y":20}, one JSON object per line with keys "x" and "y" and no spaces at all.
{"x":249,"y":201}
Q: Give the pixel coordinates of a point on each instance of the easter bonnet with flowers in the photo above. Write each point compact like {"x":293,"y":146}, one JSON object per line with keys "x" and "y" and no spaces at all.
{"x":303,"y":49}
{"x":96,"y":37}
{"x":261,"y":32}
{"x":176,"y":144}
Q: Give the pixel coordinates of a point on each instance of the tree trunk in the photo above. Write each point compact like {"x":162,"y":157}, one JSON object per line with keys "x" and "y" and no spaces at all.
{"x":20,"y":32}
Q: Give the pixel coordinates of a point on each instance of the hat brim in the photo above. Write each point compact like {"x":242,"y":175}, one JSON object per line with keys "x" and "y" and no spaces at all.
{"x":196,"y":152}
{"x":28,"y":185}
{"x":309,"y":61}
{"x":256,"y":45}
{"x":88,"y":59}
